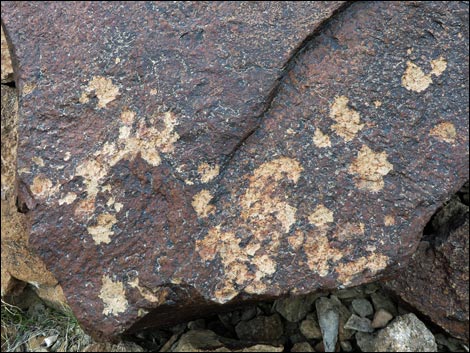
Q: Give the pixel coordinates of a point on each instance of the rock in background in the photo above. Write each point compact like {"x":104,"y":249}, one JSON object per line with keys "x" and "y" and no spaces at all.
{"x":19,"y":264}
{"x":436,"y":280}
{"x":151,"y":145}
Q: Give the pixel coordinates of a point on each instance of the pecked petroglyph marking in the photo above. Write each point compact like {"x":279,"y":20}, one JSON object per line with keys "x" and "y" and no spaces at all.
{"x":148,"y":141}
{"x":157,"y":297}
{"x":207,"y":172}
{"x":389,"y":220}
{"x":444,"y":132}
{"x":262,"y":205}
{"x":42,"y":187}
{"x":201,"y":204}
{"x":347,"y":119}
{"x":101,"y":232}
{"x":370,"y":167}
{"x":104,"y":89}
{"x":319,"y":252}
{"x":373,"y":263}
{"x":68,"y":199}
{"x":113,"y":296}
{"x":414,"y":79}
{"x":321,"y":216}
{"x":320,"y":139}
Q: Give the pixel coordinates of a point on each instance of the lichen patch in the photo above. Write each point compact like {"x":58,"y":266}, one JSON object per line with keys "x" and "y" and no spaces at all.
{"x":207,"y":172}
{"x":320,"y":139}
{"x":348,"y":122}
{"x":201,"y":204}
{"x":444,"y":132}
{"x":321,"y":216}
{"x":104,"y":89}
{"x":113,"y":296}
{"x":101,"y":232}
{"x":370,"y":168}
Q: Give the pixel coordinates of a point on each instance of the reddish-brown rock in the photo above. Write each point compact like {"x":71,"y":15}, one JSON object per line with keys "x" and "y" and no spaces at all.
{"x":436,"y":280}
{"x":177,"y":174}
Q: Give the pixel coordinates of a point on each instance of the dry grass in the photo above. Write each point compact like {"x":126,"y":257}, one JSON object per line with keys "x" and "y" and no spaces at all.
{"x":40,"y":328}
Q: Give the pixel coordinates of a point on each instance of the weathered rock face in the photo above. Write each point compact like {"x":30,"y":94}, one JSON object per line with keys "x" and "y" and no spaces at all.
{"x":436,"y":280}
{"x":19,"y":264}
{"x":165,"y":165}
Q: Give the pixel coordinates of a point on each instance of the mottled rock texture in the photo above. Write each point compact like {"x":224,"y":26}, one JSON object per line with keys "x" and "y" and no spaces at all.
{"x":19,"y":264}
{"x":186,"y":155}
{"x":436,"y":280}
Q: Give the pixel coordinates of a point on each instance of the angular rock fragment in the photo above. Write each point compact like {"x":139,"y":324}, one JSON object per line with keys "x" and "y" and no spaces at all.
{"x":328,"y":319}
{"x":294,"y":309}
{"x":302,"y":347}
{"x":358,"y":323}
{"x":208,"y":341}
{"x":211,"y":153}
{"x":260,"y":329}
{"x":362,"y":307}
{"x":381,"y":318}
{"x":405,"y":334}
{"x":436,"y":280}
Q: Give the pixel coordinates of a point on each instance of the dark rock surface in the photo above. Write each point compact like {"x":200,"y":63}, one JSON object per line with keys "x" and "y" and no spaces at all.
{"x":171,"y":171}
{"x":436,"y":280}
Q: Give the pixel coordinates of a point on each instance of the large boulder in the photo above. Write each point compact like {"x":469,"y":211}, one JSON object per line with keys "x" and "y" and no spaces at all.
{"x":436,"y":280}
{"x":199,"y":154}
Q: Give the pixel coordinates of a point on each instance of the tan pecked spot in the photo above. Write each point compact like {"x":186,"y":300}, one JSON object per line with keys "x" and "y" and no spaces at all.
{"x":42,"y":187}
{"x":207,"y":172}
{"x":104,"y":89}
{"x":117,"y":60}
{"x":201,"y":203}
{"x":414,"y":79}
{"x":67,"y":156}
{"x":319,"y":252}
{"x":370,"y":167}
{"x":28,"y":88}
{"x":85,"y":208}
{"x":101,"y":232}
{"x":373,"y":263}
{"x":389,"y":220}
{"x":321,"y":216}
{"x":156,"y":296}
{"x":127,"y":117}
{"x":444,"y":132}
{"x":153,"y":92}
{"x":377,"y":104}
{"x":348,"y":231}
{"x":113,"y":296}
{"x":438,"y":66}
{"x":320,"y":139}
{"x":347,"y":119}
{"x":68,"y":199}
{"x":260,"y":201}
{"x":296,"y":240}
{"x":227,"y":245}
